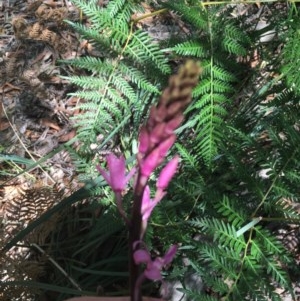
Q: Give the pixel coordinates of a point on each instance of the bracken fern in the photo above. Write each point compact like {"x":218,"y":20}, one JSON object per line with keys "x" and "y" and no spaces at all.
{"x":112,"y":87}
{"x":214,"y":38}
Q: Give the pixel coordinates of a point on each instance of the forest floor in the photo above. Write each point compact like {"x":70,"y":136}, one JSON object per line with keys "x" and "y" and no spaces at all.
{"x":35,"y":116}
{"x":35,"y":111}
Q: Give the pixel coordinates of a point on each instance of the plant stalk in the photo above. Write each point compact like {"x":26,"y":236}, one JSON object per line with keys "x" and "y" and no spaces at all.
{"x":134,"y":236}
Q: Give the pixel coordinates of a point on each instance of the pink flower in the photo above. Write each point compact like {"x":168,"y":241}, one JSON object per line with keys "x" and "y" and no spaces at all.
{"x":154,"y":267}
{"x":173,"y":124}
{"x":158,"y":133}
{"x":165,"y":145}
{"x":167,"y":173}
{"x":144,"y":142}
{"x":148,"y":164}
{"x":116,"y":174}
{"x":148,"y":204}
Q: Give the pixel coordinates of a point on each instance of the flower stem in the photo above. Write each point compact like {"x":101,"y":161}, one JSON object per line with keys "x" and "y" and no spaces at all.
{"x":135,"y":235}
{"x":120,"y":208}
{"x":138,"y":285}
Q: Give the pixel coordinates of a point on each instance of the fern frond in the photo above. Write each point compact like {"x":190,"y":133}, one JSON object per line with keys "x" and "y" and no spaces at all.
{"x":221,"y":261}
{"x":89,"y":63}
{"x":141,"y":48}
{"x":86,"y":82}
{"x":100,"y":39}
{"x":188,"y":159}
{"x":129,"y":8}
{"x":91,"y":9}
{"x":265,"y":253}
{"x":209,"y":123}
{"x":110,"y":93}
{"x":224,"y":232}
{"x":220,"y":37}
{"x":88,"y":95}
{"x":228,"y":210}
{"x":291,"y":61}
{"x":233,"y":39}
{"x":114,"y":7}
{"x":123,"y":86}
{"x":271,"y":244}
{"x":189,"y":48}
{"x":132,"y":74}
{"x":196,"y":16}
{"x":206,"y":298}
{"x":138,"y":78}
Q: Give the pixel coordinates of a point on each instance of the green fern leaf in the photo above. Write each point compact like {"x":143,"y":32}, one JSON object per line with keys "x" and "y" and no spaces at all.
{"x":189,"y":48}
{"x":195,"y":15}
{"x":232,"y":40}
{"x":291,"y":61}
{"x":228,"y":210}
{"x":114,"y":7}
{"x":141,"y":48}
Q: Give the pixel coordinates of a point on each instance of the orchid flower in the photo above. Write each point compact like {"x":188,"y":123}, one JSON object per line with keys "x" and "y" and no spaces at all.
{"x":116,"y":175}
{"x":167,"y":173}
{"x":162,"y":183}
{"x":154,"y":267}
{"x":148,"y":204}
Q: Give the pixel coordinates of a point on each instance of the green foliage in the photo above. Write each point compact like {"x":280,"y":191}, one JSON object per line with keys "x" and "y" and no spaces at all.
{"x":112,"y":82}
{"x":237,"y":192}
{"x":239,"y":160}
{"x":216,"y":41}
{"x":291,"y":61}
{"x":93,"y":249}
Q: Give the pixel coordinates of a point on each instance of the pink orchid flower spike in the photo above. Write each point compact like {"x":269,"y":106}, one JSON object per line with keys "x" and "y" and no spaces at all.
{"x":116,"y":175}
{"x":154,"y":267}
